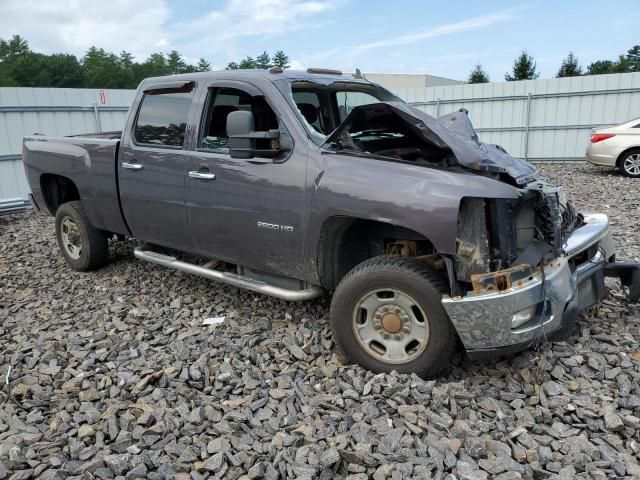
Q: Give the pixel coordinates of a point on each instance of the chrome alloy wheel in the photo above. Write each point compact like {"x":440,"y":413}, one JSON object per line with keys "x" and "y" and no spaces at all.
{"x":71,"y":238}
{"x":390,"y":326}
{"x":631,"y":164}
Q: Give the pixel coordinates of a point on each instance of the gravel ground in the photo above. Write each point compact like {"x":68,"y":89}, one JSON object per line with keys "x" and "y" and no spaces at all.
{"x":111,"y":374}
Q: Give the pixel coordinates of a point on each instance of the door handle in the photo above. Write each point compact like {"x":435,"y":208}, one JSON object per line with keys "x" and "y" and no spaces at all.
{"x":131,"y":166}
{"x":202,"y":175}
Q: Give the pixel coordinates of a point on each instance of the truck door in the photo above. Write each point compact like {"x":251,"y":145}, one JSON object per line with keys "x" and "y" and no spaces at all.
{"x":247,"y":212}
{"x":152,"y":166}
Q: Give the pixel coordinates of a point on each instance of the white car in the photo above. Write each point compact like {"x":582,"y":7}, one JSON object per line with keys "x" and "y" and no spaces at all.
{"x":617,"y":147}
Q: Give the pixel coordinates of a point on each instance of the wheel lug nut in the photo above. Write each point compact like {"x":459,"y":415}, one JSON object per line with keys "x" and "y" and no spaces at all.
{"x":386,"y":336}
{"x":398,"y":337}
{"x":396,"y":310}
{"x":377,"y":316}
{"x":405,"y":330}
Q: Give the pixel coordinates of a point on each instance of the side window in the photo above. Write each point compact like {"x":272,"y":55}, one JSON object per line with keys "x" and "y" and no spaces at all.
{"x":309,"y":105}
{"x":223,"y":101}
{"x":162,"y":118}
{"x":347,"y":100}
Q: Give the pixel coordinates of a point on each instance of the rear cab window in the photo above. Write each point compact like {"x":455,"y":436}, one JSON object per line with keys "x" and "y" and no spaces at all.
{"x":162,"y":117}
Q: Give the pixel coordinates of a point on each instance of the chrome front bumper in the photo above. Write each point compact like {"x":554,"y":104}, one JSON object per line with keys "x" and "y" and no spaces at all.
{"x":484,"y":321}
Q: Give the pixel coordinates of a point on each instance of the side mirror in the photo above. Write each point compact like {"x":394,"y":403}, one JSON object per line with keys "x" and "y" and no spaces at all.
{"x":245,"y":142}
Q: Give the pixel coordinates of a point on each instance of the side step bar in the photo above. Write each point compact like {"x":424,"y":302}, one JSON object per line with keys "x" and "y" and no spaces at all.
{"x":143,"y":253}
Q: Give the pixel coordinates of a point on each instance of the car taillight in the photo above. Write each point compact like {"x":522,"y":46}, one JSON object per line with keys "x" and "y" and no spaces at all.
{"x":598,"y":137}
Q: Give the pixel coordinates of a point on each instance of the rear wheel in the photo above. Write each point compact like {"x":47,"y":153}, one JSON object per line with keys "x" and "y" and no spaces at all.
{"x":386,"y":314}
{"x":630,"y":163}
{"x":83,"y":246}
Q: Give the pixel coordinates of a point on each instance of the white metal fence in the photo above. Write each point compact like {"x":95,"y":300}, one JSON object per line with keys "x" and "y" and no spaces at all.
{"x":51,"y":111}
{"x":538,"y":119}
{"x":534,"y":119}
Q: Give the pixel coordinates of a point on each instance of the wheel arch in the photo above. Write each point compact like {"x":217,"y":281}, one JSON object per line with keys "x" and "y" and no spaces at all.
{"x":56,"y":190}
{"x":624,"y":154}
{"x":347,"y":241}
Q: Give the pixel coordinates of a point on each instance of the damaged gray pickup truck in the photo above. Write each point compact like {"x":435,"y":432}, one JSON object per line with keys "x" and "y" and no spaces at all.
{"x":306,"y":182}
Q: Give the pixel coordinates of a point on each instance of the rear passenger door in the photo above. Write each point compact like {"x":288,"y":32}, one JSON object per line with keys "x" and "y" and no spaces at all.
{"x":152,"y":166}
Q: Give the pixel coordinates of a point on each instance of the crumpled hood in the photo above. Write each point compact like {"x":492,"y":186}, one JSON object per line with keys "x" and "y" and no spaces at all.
{"x":453,"y":131}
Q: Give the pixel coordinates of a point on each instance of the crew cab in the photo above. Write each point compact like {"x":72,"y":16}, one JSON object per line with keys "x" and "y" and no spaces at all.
{"x":301,"y":183}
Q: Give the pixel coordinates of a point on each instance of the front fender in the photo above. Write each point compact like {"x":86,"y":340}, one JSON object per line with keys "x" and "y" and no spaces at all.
{"x":423,"y":199}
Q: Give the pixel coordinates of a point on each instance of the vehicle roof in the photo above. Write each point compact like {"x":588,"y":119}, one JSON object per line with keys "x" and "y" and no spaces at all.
{"x":264,"y":75}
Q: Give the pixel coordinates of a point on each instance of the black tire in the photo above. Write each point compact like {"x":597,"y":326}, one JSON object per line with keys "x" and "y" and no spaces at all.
{"x":409,"y":277}
{"x":94,"y":249}
{"x":624,"y":158}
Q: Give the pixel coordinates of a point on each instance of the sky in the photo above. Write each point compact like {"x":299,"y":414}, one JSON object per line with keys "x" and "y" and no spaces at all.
{"x":445,"y":38}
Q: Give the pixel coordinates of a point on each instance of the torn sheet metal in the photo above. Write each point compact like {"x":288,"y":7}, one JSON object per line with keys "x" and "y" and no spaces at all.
{"x":453,"y":131}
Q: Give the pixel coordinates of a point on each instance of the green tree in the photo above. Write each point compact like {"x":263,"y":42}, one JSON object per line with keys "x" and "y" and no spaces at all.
{"x":64,"y":70}
{"x":175,"y":63}
{"x":10,"y":52}
{"x":280,"y":59}
{"x":524,"y":68}
{"x":154,"y":66}
{"x":247,"y":62}
{"x":263,"y":61}
{"x":127,"y":78}
{"x":478,"y":75}
{"x":203,"y":65}
{"x":30,"y":70}
{"x":600,"y":67}
{"x":633,"y":57}
{"x":6,"y":78}
{"x":570,"y":67}
{"x":101,"y":69}
{"x":623,"y":65}
{"x":14,"y":47}
{"x":232,"y":66}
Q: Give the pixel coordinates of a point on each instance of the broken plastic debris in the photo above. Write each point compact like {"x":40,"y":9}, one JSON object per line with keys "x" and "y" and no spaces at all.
{"x":213,"y":321}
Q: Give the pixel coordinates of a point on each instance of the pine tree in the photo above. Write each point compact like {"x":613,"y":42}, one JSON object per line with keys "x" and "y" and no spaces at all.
{"x":232,"y":66}
{"x":569,"y":67}
{"x":600,"y":67}
{"x":263,"y":61}
{"x":478,"y":75}
{"x":248,"y":62}
{"x":623,"y":65}
{"x":524,"y":68}
{"x":203,"y":65}
{"x":633,"y":57}
{"x":280,"y":59}
{"x":175,"y":62}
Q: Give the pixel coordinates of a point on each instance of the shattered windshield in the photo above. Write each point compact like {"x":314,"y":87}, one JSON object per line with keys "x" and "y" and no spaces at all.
{"x":322,"y":107}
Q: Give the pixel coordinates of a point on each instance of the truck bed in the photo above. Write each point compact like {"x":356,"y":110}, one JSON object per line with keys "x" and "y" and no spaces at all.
{"x":90,"y":162}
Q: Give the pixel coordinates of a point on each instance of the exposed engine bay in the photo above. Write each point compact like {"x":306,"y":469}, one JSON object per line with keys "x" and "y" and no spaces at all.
{"x":379,"y":131}
{"x":512,"y":236}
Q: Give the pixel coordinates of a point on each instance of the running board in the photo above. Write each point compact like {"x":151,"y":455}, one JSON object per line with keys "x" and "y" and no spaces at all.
{"x":229,"y":278}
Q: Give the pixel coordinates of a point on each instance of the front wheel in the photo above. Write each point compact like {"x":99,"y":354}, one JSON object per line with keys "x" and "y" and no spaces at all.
{"x":387,"y":314}
{"x":83,"y":246}
{"x":630,"y":163}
